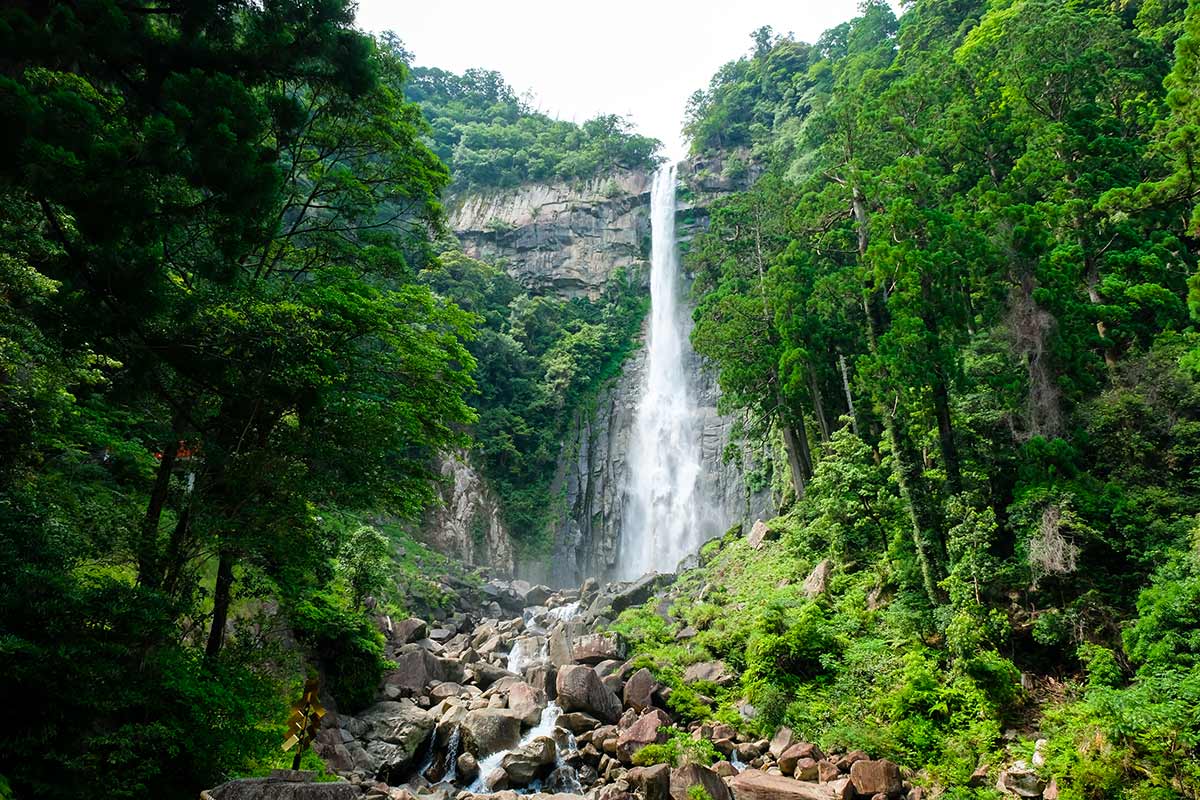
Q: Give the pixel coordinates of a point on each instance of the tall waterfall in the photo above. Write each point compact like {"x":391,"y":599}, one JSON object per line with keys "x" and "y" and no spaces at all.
{"x":663,"y":514}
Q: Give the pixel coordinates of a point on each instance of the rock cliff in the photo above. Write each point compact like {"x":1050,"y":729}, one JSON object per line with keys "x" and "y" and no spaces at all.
{"x":568,"y":238}
{"x":571,"y":239}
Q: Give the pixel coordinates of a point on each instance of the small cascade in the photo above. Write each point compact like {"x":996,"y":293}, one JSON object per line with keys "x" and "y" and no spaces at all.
{"x":564,"y":613}
{"x":545,"y":727}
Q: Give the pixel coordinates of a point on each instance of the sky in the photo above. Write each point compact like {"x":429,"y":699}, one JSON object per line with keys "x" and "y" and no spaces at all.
{"x":638,"y":58}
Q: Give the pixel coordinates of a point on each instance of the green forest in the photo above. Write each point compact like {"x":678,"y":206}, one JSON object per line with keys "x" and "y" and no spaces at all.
{"x":956,"y":315}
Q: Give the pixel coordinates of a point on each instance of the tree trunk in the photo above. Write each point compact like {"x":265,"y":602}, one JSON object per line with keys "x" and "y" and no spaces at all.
{"x":149,"y":570}
{"x":907,"y":466}
{"x":818,"y":404}
{"x":795,"y":464}
{"x":941,"y":391}
{"x":222,"y":596}
{"x":849,"y":396}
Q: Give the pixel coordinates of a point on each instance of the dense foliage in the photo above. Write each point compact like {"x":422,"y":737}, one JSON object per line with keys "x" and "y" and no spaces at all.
{"x":213,"y":347}
{"x":541,"y":360}
{"x":492,"y":138}
{"x":963,"y":299}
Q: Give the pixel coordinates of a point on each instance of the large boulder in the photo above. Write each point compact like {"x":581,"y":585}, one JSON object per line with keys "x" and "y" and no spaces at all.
{"x":489,"y":730}
{"x":689,"y":775}
{"x":758,"y":534}
{"x":580,"y":689}
{"x":877,"y":777}
{"x":639,"y":690}
{"x":559,"y":648}
{"x":752,"y":784}
{"x":529,"y":762}
{"x":654,"y":781}
{"x":409,"y":630}
{"x":417,"y":668}
{"x":526,"y":702}
{"x":801,"y":751}
{"x":709,"y":672}
{"x":280,"y":789}
{"x":392,"y":733}
{"x":594,"y":648}
{"x":641,"y":590}
{"x":647,"y":730}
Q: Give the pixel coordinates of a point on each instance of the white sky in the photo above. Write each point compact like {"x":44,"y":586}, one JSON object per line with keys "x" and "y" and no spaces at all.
{"x":638,"y":58}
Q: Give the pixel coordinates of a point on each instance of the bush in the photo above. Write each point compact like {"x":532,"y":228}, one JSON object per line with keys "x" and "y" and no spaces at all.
{"x":346,"y":644}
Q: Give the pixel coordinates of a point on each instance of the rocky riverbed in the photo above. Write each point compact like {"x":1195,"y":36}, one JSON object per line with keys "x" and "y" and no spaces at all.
{"x":527,"y":695}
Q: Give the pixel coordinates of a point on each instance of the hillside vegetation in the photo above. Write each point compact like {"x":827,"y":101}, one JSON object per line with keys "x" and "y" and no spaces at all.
{"x":962,"y":301}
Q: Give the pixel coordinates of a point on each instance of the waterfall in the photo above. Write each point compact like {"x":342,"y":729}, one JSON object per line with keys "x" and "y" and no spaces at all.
{"x":663,"y":511}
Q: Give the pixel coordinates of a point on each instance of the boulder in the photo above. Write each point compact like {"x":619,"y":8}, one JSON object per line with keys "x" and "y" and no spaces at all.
{"x":559,"y":649}
{"x":639,"y":690}
{"x":392,"y":735}
{"x":647,"y":730}
{"x":526,"y":702}
{"x":541,"y":677}
{"x":710,"y":672}
{"x":753,"y":784}
{"x":580,"y":689}
{"x":758,"y":534}
{"x":594,"y":648}
{"x":489,"y":730}
{"x":800,"y":750}
{"x":468,"y":768}
{"x":876,"y":777}
{"x":653,"y":782}
{"x":409,"y":630}
{"x":685,"y":777}
{"x":641,"y":590}
{"x":577,"y":722}
{"x":417,"y":668}
{"x":817,"y":582}
{"x":281,"y":789}
{"x":485,"y":674}
{"x":529,"y":762}
{"x":1020,"y":780}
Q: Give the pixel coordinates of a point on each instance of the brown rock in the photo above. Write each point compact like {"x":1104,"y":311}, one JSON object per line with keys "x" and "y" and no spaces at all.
{"x":579,"y":689}
{"x":647,"y":730}
{"x":781,"y":741}
{"x":827,"y":771}
{"x":876,"y":777}
{"x":654,"y":782}
{"x":806,"y":770}
{"x":709,"y":671}
{"x":689,"y":775}
{"x":752,"y":784}
{"x":758,"y":534}
{"x":594,"y":648}
{"x":639,"y":690}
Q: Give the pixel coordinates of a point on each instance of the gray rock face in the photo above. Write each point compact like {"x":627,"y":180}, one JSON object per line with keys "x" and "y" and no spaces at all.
{"x":466,"y":523}
{"x":394,"y":734}
{"x":569,"y":238}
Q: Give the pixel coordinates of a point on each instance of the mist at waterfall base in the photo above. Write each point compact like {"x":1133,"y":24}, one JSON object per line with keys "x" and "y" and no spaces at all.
{"x":665,"y":519}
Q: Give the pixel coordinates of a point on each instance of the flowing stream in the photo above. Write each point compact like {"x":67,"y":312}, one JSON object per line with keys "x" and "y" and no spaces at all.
{"x":663,"y":511}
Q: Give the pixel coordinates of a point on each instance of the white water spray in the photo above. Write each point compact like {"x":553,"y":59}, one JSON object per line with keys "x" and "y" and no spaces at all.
{"x":663,"y":514}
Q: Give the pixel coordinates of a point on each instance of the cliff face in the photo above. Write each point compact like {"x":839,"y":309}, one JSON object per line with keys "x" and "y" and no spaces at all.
{"x":560,"y":237}
{"x":571,"y":239}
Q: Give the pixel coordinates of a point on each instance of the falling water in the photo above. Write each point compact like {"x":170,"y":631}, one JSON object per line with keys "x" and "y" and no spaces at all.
{"x":662,"y":514}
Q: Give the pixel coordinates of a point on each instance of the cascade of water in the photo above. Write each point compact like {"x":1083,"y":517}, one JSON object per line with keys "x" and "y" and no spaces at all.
{"x":545,"y":727}
{"x":663,"y":513}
